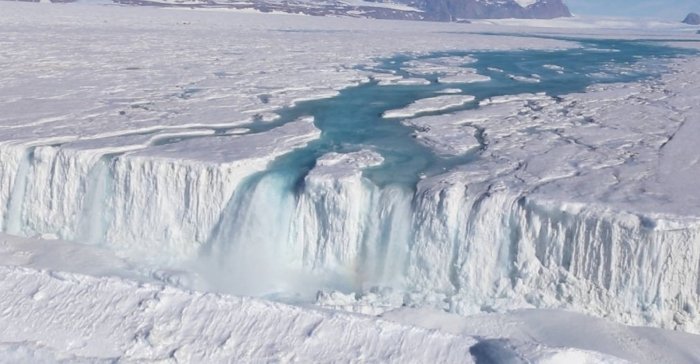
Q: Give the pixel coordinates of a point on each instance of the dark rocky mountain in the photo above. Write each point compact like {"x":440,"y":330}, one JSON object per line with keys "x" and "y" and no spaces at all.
{"x":447,"y":10}
{"x":433,"y":10}
{"x":548,"y":9}
{"x":692,"y":19}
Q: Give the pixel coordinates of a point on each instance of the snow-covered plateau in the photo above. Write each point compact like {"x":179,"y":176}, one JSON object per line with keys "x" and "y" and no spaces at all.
{"x":216,"y":186}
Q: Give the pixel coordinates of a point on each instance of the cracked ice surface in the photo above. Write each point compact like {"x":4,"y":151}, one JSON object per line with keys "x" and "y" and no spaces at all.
{"x":628,"y":146}
{"x":176,"y":69}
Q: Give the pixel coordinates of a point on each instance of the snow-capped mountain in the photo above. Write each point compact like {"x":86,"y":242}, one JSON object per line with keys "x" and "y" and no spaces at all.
{"x":434,"y":10}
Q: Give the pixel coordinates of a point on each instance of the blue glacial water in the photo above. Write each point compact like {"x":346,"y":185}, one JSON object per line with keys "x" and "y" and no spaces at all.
{"x":353,"y":120}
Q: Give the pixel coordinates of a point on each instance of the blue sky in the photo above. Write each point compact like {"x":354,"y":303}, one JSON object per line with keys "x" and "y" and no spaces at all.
{"x":664,"y":9}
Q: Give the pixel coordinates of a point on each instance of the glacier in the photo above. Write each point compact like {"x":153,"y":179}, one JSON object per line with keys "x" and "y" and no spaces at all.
{"x":397,"y":174}
{"x":293,"y":207}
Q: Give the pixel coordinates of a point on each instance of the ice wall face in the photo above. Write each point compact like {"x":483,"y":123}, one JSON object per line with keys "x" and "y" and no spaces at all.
{"x":618,"y":262}
{"x":141,"y":203}
{"x":473,"y":248}
{"x":461,"y":246}
{"x":470,"y":247}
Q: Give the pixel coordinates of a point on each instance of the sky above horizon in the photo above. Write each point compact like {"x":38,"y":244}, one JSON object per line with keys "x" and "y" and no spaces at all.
{"x":660,"y":9}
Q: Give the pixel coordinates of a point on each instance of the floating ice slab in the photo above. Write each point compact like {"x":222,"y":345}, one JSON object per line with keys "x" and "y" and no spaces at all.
{"x":449,"y":91}
{"x":437,"y":103}
{"x":446,"y":134}
{"x":464,"y":78}
{"x":530,"y":79}
{"x":450,"y":70}
{"x":554,"y":67}
{"x":388,"y":79}
{"x":337,"y":165}
{"x":439,"y":65}
{"x":412,"y":81}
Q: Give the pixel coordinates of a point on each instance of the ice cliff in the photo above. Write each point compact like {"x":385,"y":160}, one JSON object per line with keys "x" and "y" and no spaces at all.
{"x":475,"y":239}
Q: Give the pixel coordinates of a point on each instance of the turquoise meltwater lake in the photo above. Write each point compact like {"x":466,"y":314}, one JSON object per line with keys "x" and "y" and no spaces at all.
{"x":353,"y":119}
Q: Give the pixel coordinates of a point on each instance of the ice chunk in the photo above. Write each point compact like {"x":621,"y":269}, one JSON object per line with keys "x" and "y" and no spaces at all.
{"x":437,"y":103}
{"x":464,"y":78}
{"x":445,"y":134}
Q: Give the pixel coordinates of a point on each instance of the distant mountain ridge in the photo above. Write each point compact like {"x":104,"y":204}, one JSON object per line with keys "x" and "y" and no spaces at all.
{"x":447,"y":10}
{"x":692,"y":19}
{"x":432,"y":10}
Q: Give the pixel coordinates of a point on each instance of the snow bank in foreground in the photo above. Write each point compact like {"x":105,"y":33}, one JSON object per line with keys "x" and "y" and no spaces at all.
{"x":562,"y":329}
{"x":52,"y":316}
{"x":75,"y":316}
